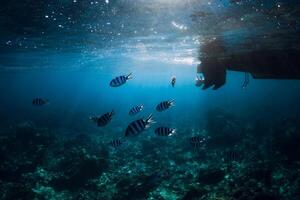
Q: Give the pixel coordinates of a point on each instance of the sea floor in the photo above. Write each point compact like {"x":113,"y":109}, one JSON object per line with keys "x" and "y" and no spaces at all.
{"x":253,"y":160}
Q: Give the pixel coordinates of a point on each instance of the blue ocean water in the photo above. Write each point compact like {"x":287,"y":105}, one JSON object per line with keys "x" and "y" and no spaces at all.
{"x":245,"y":141}
{"x":75,"y":94}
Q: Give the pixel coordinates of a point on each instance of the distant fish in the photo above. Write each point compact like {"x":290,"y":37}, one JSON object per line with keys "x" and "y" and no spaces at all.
{"x":135,"y":110}
{"x":173,"y":81}
{"x":39,"y":101}
{"x":120,"y":80}
{"x":165,"y":131}
{"x":164,"y":105}
{"x":197,"y":141}
{"x":138,"y":126}
{"x":199,"y":81}
{"x":231,"y":156}
{"x":235,"y":1}
{"x":103,"y":119}
{"x":116,"y":143}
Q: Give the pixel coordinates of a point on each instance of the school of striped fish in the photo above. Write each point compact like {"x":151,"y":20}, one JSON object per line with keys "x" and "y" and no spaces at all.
{"x":137,"y":126}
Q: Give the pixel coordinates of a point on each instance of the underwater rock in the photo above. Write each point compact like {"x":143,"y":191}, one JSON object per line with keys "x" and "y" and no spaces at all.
{"x":138,"y":187}
{"x":44,"y":192}
{"x":238,"y":194}
{"x":23,"y":151}
{"x":296,"y":189}
{"x":260,"y":129}
{"x":259,"y":172}
{"x":211,"y":176}
{"x":25,"y":134}
{"x":255,"y":181}
{"x":28,"y":135}
{"x":123,"y":184}
{"x":77,"y":169}
{"x":194,"y":194}
{"x":87,"y":169}
{"x":286,"y":139}
{"x":15,"y":191}
{"x":25,"y":128}
{"x":265,"y":196}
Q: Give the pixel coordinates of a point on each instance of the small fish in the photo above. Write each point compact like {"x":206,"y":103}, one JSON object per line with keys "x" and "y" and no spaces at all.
{"x":165,"y":131}
{"x":199,"y":81}
{"x":120,"y":80}
{"x":39,"y":102}
{"x":173,"y":81}
{"x":235,"y":1}
{"x":231,"y":156}
{"x":197,"y":141}
{"x":135,"y":110}
{"x":103,"y":119}
{"x":138,"y":126}
{"x":116,"y":143}
{"x":164,"y":105}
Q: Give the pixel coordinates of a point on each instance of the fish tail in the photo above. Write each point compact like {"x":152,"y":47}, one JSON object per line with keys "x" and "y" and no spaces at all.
{"x":124,"y":141}
{"x":47,"y":101}
{"x":150,"y":120}
{"x":93,"y":118}
{"x":174,"y":132}
{"x":112,"y":112}
{"x":129,"y":76}
{"x":172,"y":102}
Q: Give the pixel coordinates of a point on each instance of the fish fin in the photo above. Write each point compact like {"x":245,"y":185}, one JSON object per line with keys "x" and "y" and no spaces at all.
{"x":199,"y":78}
{"x":93,"y":118}
{"x":123,"y":139}
{"x":125,"y":143}
{"x":129,"y":76}
{"x":150,"y":120}
{"x":112,"y":113}
{"x":174,"y":132}
{"x":172,"y":102}
{"x":47,"y":102}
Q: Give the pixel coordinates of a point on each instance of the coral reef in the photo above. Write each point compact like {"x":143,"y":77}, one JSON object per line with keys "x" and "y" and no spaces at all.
{"x":39,"y":163}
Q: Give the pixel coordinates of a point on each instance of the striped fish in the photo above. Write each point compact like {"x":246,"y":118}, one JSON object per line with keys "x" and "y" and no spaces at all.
{"x":138,"y":126}
{"x":135,"y":110}
{"x":39,"y":101}
{"x":199,"y":81}
{"x":165,"y":131}
{"x":231,"y":156}
{"x":104,"y":119}
{"x":197,"y":141}
{"x":120,"y":80}
{"x":164,"y":105}
{"x":115,"y":143}
{"x":173,"y":81}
